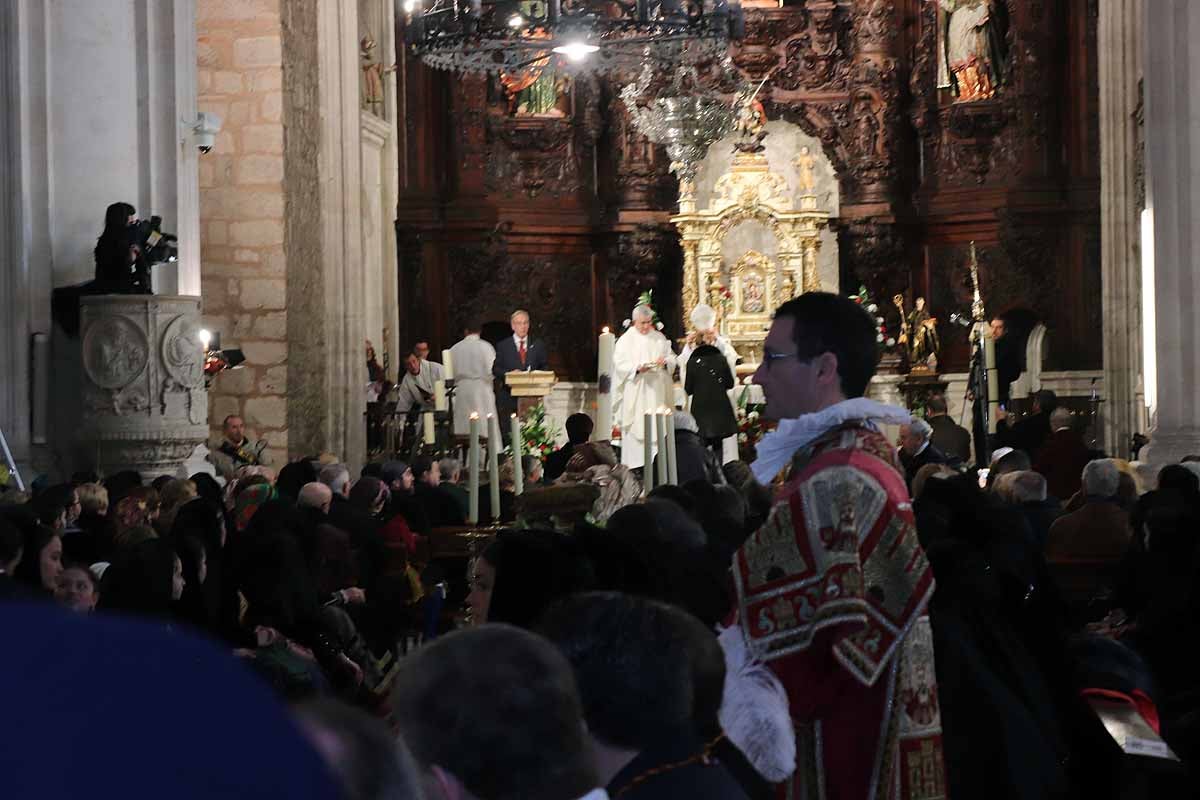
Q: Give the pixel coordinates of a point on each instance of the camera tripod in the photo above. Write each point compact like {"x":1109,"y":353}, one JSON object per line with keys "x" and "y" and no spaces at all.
{"x":12,"y":465}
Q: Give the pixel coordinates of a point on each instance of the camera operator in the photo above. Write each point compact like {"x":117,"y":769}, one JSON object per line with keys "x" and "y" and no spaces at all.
{"x":120,"y":265}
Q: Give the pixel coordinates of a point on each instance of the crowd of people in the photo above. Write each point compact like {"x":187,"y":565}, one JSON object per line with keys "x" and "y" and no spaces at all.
{"x":845,"y":617}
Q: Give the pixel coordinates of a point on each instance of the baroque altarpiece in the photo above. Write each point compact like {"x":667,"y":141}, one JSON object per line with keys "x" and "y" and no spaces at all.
{"x":915,"y":128}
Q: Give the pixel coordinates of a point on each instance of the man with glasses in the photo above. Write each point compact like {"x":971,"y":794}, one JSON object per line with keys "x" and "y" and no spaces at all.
{"x":832,"y":589}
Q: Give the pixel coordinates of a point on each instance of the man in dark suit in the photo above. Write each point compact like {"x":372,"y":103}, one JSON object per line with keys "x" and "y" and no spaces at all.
{"x":517,"y":352}
{"x":953,"y":440}
{"x":916,"y":450}
{"x":1031,"y":432}
{"x":1063,"y":457}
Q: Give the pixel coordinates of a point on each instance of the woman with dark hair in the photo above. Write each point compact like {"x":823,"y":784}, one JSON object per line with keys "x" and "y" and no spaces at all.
{"x":204,"y":521}
{"x":41,"y":564}
{"x":144,"y":579}
{"x":292,"y":478}
{"x":521,"y":573}
{"x":119,"y":266}
{"x":193,"y":603}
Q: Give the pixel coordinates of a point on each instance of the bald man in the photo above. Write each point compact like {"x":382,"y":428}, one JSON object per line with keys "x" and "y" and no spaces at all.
{"x":315,"y":495}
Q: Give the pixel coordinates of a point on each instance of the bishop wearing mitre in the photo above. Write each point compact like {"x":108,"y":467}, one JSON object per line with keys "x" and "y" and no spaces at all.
{"x":643,"y":365}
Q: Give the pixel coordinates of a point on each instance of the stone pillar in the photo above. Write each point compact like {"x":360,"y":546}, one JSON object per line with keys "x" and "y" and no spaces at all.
{"x":1120,"y":62}
{"x":1172,"y":58}
{"x":144,"y":402}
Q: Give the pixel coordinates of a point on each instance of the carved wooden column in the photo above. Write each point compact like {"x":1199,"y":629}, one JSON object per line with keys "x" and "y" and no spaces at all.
{"x":1172,"y":50}
{"x":1121,"y":202}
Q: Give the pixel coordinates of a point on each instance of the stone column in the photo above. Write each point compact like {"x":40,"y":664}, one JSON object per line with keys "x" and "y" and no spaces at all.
{"x":1172,"y":59}
{"x":1120,"y":62}
{"x":144,"y":402}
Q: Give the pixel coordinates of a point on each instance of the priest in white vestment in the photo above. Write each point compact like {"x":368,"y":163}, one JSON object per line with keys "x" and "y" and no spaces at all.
{"x":704,"y":322}
{"x":472,"y":360}
{"x":643,"y":363}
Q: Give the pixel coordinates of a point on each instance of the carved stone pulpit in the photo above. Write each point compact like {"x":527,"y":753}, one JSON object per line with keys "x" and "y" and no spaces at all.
{"x":144,"y":402}
{"x":530,"y":387}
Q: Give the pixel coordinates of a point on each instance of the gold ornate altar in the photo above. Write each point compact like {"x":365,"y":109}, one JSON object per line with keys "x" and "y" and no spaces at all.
{"x":746,"y":289}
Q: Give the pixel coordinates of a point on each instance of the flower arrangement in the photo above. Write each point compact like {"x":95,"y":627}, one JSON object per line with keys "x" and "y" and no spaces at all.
{"x":537,"y":432}
{"x":885,"y":341}
{"x":646,"y":299}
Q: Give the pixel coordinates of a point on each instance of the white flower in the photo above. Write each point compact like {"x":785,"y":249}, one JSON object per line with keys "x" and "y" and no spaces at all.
{"x":753,"y":415}
{"x":658,"y":325}
{"x":872,"y":308}
{"x":626,"y":323}
{"x":879,"y":320}
{"x":879,"y":338}
{"x":891,"y":342}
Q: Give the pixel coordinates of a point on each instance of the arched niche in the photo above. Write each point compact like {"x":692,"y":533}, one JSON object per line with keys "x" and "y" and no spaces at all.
{"x":754,"y":223}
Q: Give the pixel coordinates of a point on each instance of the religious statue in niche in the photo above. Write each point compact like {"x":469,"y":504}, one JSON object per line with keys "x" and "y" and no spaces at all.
{"x":754,"y":296}
{"x":972,"y":47}
{"x":866,"y":128}
{"x":918,"y":332}
{"x":537,"y":90}
{"x":373,"y":72}
{"x":805,"y":164}
{"x":719,"y":297}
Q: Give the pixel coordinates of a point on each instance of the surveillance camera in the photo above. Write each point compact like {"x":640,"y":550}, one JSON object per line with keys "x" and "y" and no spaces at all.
{"x":205,"y":129}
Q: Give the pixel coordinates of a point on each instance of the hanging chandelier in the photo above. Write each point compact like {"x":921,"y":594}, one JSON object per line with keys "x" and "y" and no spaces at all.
{"x":684,"y":118}
{"x":597,"y":36}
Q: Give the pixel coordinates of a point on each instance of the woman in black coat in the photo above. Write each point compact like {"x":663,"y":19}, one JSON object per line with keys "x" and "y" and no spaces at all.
{"x":708,"y":381}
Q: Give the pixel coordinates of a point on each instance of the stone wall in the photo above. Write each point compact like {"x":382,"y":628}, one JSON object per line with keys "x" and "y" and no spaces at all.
{"x":242,"y":203}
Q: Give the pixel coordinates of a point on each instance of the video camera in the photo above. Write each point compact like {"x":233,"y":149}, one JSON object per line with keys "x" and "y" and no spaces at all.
{"x":157,"y":247}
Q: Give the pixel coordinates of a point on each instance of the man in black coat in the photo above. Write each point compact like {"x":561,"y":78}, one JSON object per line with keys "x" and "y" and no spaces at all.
{"x":916,"y":450}
{"x":1031,"y":432}
{"x":518,"y":352}
{"x":708,"y":381}
{"x":953,"y":440}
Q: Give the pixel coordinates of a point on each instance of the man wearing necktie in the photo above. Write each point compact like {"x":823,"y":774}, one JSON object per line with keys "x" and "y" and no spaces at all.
{"x":517,"y":353}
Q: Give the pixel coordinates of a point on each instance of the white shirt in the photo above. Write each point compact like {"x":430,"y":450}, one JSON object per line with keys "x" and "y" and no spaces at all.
{"x":473,"y":359}
{"x":409,"y":393}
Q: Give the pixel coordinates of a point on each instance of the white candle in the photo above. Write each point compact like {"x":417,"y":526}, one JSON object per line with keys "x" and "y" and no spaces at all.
{"x":473,"y":466}
{"x":518,"y":469}
{"x":604,"y":376}
{"x":439,"y":395}
{"x":494,"y":464}
{"x":648,"y":443}
{"x":661,"y":477}
{"x":447,"y":365}
{"x":672,"y":465}
{"x":427,"y":422}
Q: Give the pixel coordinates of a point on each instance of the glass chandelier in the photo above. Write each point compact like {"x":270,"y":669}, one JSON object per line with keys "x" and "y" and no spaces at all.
{"x":598,"y":36}
{"x":683,"y":117}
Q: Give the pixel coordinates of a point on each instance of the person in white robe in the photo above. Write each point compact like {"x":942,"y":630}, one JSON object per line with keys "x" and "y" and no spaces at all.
{"x":643,"y":363}
{"x":472,"y":358}
{"x":704,"y":322}
{"x":416,"y":388}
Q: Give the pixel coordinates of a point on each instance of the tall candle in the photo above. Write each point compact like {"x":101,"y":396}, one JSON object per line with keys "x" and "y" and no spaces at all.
{"x":494,"y":464}
{"x":604,"y":377}
{"x":672,"y":465}
{"x":427,"y":423}
{"x":648,"y":443}
{"x":439,"y":395}
{"x":518,"y":469}
{"x":448,"y":365}
{"x":473,"y":466}
{"x":661,"y":477}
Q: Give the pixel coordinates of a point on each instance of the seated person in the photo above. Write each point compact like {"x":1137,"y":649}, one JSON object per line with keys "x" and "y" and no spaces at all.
{"x":472,"y":736}
{"x":579,"y":430}
{"x":634,"y":663}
